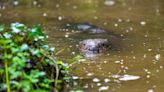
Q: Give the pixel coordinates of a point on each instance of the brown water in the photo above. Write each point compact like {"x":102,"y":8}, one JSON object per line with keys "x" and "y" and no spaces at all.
{"x":139,"y":53}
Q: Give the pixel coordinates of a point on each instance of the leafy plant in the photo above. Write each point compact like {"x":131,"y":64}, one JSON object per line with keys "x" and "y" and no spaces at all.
{"x":27,"y":63}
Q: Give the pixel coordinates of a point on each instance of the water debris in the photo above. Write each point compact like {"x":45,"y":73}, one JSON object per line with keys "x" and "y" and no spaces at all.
{"x":66,"y":36}
{"x":150,"y":90}
{"x":109,"y":2}
{"x":117,"y":62}
{"x":57,"y":5}
{"x":60,"y":18}
{"x":106,"y":80}
{"x":116,"y":76}
{"x":131,"y":28}
{"x":116,"y":25}
{"x":82,"y":60}
{"x":102,"y":88}
{"x":90,"y":74}
{"x":95,"y":17}
{"x":143,"y":23}
{"x":127,"y":20}
{"x":73,"y":53}
{"x":157,"y":57}
{"x":147,"y":76}
{"x":149,"y":49}
{"x":96,"y":80}
{"x":16,"y":3}
{"x":74,"y":7}
{"x":128,"y":77}
{"x":75,"y":77}
{"x":119,"y":20}
{"x":35,"y":2}
{"x":45,"y":14}
{"x":85,"y":86}
{"x":98,"y":84}
{"x":127,"y":30}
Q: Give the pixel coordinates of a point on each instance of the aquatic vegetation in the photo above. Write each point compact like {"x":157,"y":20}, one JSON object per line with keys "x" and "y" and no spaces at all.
{"x":27,"y":63}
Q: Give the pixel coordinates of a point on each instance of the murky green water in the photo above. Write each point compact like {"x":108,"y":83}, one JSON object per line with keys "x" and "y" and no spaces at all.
{"x":139,"y":53}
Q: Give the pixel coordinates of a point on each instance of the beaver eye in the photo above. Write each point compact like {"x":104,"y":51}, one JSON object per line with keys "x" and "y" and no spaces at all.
{"x":84,"y":44}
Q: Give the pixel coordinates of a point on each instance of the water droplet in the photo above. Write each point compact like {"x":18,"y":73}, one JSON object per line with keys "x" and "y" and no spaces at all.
{"x":35,"y":2}
{"x":129,"y":77}
{"x":148,"y":76}
{"x":74,"y":7}
{"x":57,"y":5}
{"x":66,"y":36}
{"x":89,"y":74}
{"x":107,"y":80}
{"x":119,"y":20}
{"x":16,"y":3}
{"x":143,"y":23}
{"x":44,"y":14}
{"x":109,"y":2}
{"x":96,"y":80}
{"x":95,"y":17}
{"x":75,"y":77}
{"x":116,"y":25}
{"x":150,"y":90}
{"x":157,"y":57}
{"x":103,"y":88}
{"x":60,"y":18}
{"x":98,"y":84}
{"x":117,"y":61}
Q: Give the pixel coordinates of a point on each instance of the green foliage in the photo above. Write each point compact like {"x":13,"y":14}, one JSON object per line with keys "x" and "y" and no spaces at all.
{"x":26,"y":60}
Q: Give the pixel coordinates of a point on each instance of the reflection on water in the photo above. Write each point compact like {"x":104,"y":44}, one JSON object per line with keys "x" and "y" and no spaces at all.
{"x":137,"y":58}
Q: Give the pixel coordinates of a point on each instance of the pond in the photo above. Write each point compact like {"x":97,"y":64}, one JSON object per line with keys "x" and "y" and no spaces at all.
{"x":134,"y":64}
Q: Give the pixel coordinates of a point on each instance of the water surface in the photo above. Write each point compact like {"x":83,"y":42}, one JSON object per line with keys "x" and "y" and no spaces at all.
{"x":139,"y":53}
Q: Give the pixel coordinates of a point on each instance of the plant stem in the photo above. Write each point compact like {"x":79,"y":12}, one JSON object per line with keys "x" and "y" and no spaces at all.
{"x":7,"y":74}
{"x":7,"y":77}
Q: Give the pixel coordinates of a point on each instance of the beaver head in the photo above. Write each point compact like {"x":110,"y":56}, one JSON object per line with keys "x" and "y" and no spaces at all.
{"x":94,"y":46}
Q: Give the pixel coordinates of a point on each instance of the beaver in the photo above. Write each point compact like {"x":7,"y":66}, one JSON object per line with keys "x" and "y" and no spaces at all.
{"x":95,"y":40}
{"x":85,"y":27}
{"x":94,"y":46}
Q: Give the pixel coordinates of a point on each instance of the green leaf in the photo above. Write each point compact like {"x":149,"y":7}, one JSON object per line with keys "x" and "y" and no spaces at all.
{"x":17,"y":27}
{"x":2,"y":27}
{"x":25,"y":85}
{"x":34,"y":75}
{"x":15,"y":74}
{"x":19,"y":61}
{"x":35,"y":52}
{"x":6,"y":43}
{"x":7,"y":35}
{"x":39,"y":90}
{"x":36,"y":32}
{"x":24,"y":47}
